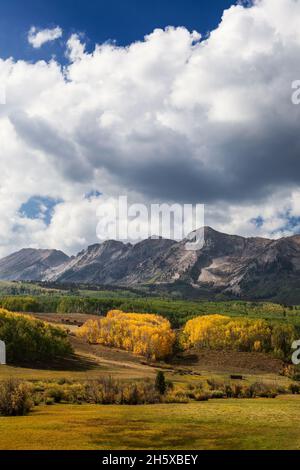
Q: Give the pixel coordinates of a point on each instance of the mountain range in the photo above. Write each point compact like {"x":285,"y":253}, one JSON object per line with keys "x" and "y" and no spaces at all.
{"x":228,"y":265}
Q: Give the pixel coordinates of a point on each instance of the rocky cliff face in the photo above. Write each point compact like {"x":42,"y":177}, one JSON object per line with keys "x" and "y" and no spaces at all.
{"x":114,"y":263}
{"x":229,"y":264}
{"x":30,"y":264}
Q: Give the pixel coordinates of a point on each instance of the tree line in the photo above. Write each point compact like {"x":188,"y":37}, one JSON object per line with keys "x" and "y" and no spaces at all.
{"x":220,"y":332}
{"x":178,"y":312}
{"x":28,"y":339}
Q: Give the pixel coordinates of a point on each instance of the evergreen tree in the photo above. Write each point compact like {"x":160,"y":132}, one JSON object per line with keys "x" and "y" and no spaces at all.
{"x":160,"y":383}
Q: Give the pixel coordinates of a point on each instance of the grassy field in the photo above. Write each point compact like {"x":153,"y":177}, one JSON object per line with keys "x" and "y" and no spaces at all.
{"x":217,"y":424}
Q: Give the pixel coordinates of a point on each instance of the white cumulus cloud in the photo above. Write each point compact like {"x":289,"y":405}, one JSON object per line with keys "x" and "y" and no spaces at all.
{"x":172,"y":118}
{"x":38,"y":37}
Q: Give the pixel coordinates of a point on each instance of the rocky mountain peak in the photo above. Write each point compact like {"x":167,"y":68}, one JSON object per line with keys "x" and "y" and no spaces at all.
{"x":225,"y":264}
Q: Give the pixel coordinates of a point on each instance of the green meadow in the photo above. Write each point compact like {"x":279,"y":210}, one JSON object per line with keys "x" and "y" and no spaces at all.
{"x":260,"y":424}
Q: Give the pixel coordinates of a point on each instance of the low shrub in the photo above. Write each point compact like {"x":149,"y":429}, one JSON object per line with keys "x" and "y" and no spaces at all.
{"x":237,"y":391}
{"x":261,"y":390}
{"x":55,"y":392}
{"x":49,"y":401}
{"x":75,"y":393}
{"x":215,"y":384}
{"x":170,"y":385}
{"x":296,"y":376}
{"x":202,"y":396}
{"x":109,"y":391}
{"x":103,"y":391}
{"x":220,"y":389}
{"x":294,"y":389}
{"x":217,"y":394}
{"x":228,"y":391}
{"x":18,"y":398}
{"x":176,"y":397}
{"x":280,"y":389}
{"x":15,"y":398}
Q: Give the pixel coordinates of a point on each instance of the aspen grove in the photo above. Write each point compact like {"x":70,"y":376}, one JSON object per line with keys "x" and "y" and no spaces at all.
{"x":144,"y":334}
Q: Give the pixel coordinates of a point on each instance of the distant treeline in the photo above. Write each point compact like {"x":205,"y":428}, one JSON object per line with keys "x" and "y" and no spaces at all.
{"x":178,"y":312}
{"x":98,"y":306}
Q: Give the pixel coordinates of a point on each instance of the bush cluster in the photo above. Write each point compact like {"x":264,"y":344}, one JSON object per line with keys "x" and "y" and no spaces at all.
{"x":16,"y":398}
{"x":214,"y":389}
{"x":221,"y":389}
{"x":104,"y":391}
{"x":294,"y":389}
{"x":109,"y":391}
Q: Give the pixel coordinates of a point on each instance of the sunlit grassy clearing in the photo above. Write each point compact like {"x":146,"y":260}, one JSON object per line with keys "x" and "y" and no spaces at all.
{"x":217,"y":424}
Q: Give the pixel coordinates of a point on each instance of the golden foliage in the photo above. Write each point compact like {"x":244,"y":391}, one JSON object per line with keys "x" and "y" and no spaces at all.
{"x":143,"y":334}
{"x":221,"y":332}
{"x":11,"y":315}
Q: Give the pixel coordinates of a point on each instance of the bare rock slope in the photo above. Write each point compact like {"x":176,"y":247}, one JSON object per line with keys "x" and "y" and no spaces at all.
{"x":30,"y":264}
{"x":226,"y":264}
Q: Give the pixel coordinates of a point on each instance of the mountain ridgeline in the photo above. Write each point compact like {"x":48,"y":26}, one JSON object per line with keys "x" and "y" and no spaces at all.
{"x":229,"y":265}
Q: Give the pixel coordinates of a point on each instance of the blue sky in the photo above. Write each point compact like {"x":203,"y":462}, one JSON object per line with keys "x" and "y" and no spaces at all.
{"x":39,"y":208}
{"x":99,"y":20}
